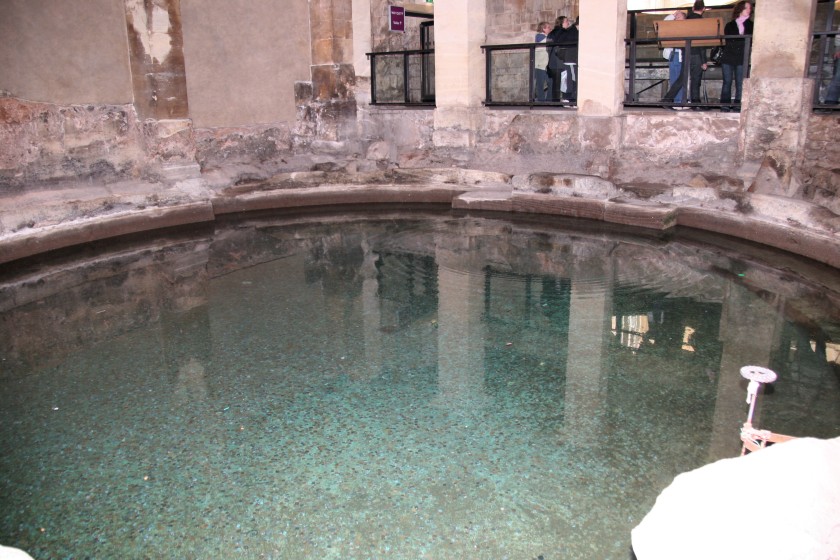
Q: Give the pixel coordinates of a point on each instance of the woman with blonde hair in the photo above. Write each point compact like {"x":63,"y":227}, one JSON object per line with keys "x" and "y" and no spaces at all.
{"x":733,"y":56}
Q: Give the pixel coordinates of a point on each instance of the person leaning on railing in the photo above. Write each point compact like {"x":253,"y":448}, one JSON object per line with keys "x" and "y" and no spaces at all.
{"x":697,"y":62}
{"x":733,"y":55}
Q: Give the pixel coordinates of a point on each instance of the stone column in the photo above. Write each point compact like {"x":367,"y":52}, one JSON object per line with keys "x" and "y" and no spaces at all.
{"x":459,"y":71}
{"x":158,"y":75}
{"x":333,"y":77}
{"x":156,"y":48}
{"x":777,"y":96}
{"x":603,"y":25}
{"x":362,"y":37}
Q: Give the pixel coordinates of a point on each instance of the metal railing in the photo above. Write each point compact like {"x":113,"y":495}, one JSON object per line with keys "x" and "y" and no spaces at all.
{"x":824,"y":70}
{"x":510,"y":79}
{"x":646,"y":72}
{"x":404,"y":78}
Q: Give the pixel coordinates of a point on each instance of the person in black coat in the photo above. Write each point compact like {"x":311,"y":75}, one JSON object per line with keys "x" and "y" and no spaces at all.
{"x":733,"y":55}
{"x":563,"y":58}
{"x":696,"y":61}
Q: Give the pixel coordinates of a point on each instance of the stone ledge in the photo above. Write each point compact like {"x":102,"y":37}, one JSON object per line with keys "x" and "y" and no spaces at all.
{"x":27,"y":243}
{"x":789,"y":225}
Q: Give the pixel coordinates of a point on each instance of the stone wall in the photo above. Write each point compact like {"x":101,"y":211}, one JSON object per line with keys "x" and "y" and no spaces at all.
{"x":821,"y":166}
{"x":509,"y":22}
{"x":43,"y":142}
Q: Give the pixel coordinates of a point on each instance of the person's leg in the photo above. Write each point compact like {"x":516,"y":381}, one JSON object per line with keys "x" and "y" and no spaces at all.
{"x":556,"y":85}
{"x":833,"y":94}
{"x":739,"y":84}
{"x":726,"y":87}
{"x":696,"y":77}
{"x":676,"y":86}
{"x":540,"y":81}
{"x":571,"y":82}
{"x":674,"y":71}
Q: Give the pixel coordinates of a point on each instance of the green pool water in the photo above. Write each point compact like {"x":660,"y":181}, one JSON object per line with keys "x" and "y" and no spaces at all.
{"x":390,"y":386}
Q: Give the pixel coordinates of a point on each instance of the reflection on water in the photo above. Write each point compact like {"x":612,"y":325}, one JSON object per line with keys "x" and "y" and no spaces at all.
{"x":447,"y":387}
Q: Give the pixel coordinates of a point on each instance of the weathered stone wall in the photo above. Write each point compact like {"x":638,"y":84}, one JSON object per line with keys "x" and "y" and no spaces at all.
{"x":156,"y":52}
{"x":508,"y":22}
{"x":42,"y":142}
{"x":821,"y":165}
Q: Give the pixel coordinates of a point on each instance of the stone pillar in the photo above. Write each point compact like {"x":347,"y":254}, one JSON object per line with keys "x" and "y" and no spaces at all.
{"x":333,"y":77}
{"x":332,"y":48}
{"x":159,"y":80}
{"x":777,"y":96}
{"x":459,"y":71}
{"x":362,"y":37}
{"x":603,"y":25}
{"x":156,"y":51}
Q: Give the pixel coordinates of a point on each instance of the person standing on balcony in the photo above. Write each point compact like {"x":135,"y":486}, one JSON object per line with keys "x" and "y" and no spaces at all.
{"x":733,"y":55}
{"x":563,"y":58}
{"x":572,"y":37}
{"x":675,"y":61}
{"x":696,"y":62}
{"x":542,"y":81}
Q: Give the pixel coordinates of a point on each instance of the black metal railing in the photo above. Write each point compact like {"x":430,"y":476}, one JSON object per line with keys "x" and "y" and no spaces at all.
{"x":823,"y":69}
{"x":407,"y":77}
{"x":646,"y":72}
{"x":403,"y":78}
{"x":510,"y":75}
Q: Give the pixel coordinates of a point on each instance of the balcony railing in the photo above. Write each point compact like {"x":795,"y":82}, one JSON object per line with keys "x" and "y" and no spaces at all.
{"x":823,"y":68}
{"x":646,"y":73}
{"x":402,"y":78}
{"x":406,"y":78}
{"x":510,"y":75}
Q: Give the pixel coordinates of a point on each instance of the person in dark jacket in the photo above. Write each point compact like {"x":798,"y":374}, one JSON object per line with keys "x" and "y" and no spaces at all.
{"x":696,"y":61}
{"x":563,"y":58}
{"x":733,"y":55}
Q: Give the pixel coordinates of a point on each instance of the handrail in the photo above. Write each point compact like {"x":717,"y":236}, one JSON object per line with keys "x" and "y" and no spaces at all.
{"x":631,"y":63}
{"x":405,"y":54}
{"x":823,"y":38}
{"x":531,"y":47}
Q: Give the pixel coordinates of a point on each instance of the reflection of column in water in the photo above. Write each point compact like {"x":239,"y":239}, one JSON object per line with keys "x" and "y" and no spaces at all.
{"x":749,"y":330}
{"x":590,"y":310}
{"x":371,"y":315}
{"x":186,"y":348}
{"x":191,"y":386}
{"x":460,"y":329}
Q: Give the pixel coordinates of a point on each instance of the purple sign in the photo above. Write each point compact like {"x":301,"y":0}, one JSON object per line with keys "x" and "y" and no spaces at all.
{"x":396,"y":19}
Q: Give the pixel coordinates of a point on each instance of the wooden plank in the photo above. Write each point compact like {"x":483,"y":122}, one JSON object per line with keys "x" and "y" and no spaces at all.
{"x":673,"y":33}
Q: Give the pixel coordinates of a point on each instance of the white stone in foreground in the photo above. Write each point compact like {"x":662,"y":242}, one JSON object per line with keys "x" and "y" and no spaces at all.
{"x":782,"y":502}
{"x":9,"y":553}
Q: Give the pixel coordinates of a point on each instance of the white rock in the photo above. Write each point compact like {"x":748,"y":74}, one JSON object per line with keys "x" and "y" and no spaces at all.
{"x":9,"y":553}
{"x":781,"y":503}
